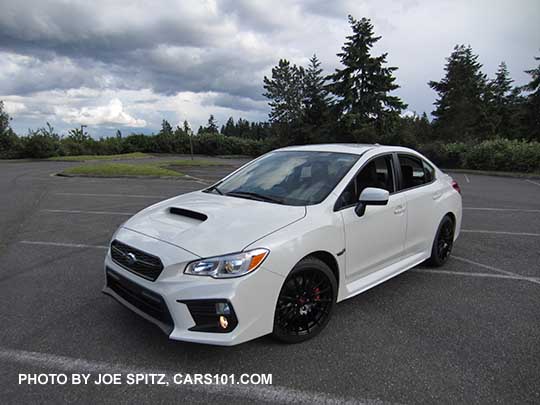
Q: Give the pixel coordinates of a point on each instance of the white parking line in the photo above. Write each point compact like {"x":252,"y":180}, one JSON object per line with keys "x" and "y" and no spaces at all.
{"x":471,"y":274}
{"x":467,"y":178}
{"x":70,"y":245}
{"x":501,"y":271}
{"x":500,"y":232}
{"x":500,"y":209}
{"x":533,"y":182}
{"x":254,"y":393}
{"x":114,"y":195}
{"x":89,"y":212}
{"x":464,"y":273}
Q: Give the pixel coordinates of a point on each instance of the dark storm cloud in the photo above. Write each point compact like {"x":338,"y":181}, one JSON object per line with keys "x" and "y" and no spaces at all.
{"x":134,"y":48}
{"x":234,"y":102}
{"x":80,"y":29}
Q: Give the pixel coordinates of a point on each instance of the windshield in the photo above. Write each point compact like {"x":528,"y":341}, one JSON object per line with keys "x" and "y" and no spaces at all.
{"x":289,"y":177}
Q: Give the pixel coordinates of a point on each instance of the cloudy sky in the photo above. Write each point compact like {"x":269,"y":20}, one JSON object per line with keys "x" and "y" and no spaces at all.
{"x":128,"y":64}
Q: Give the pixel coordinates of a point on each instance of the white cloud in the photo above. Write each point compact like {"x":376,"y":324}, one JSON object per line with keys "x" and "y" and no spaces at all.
{"x":111,"y":114}
{"x":14,"y":107}
{"x":408,"y":113}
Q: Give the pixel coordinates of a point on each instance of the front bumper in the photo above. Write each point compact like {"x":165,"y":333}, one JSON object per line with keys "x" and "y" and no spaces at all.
{"x":165,"y":300}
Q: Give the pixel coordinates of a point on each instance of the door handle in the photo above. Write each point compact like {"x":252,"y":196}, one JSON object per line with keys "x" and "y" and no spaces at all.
{"x":399,"y":209}
{"x":437,"y":195}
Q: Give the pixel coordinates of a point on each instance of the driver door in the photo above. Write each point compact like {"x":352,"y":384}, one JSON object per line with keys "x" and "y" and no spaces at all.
{"x":376,"y":239}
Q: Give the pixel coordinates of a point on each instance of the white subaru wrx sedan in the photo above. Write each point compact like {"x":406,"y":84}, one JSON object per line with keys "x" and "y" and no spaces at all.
{"x":273,"y":246}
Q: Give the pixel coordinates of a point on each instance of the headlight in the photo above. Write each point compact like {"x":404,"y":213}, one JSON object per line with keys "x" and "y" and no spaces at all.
{"x":234,"y":265}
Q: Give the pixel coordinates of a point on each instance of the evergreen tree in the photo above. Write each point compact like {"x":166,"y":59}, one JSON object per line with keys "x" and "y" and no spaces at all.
{"x":189,"y":133}
{"x":4,"y":119}
{"x":166,"y":128}
{"x":532,"y":104}
{"x":423,"y":132}
{"x":462,"y":107}
{"x":229,"y":128}
{"x":9,"y":142}
{"x":178,"y":132}
{"x":316,"y":116}
{"x":501,"y":86}
{"x":284,"y":90}
{"x":212,"y":127}
{"x":187,"y":128}
{"x":243,"y":128}
{"x":362,"y":87}
{"x":502,"y":100}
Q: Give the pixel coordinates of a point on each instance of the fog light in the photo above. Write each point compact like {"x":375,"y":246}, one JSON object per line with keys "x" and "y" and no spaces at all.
{"x":223,"y":322}
{"x":222,"y":308}
{"x":211,"y":315}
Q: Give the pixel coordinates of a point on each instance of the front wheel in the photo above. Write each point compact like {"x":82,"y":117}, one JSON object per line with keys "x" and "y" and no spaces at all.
{"x":443,"y":243}
{"x":305,"y":302}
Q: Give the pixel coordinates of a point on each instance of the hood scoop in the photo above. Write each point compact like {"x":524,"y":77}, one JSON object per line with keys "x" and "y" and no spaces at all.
{"x":188,"y":213}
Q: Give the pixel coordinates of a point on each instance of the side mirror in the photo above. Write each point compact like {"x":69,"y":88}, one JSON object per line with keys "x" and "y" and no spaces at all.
{"x":371,"y":196}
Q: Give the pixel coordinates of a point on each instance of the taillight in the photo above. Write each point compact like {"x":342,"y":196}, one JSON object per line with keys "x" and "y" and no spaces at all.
{"x":455,"y":185}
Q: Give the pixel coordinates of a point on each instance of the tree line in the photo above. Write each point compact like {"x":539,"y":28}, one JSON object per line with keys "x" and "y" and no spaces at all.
{"x":355,"y":103}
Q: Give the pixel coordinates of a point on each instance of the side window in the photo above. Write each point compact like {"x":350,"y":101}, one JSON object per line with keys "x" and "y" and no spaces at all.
{"x":414,"y":172}
{"x":377,"y":173}
{"x":429,"y":170}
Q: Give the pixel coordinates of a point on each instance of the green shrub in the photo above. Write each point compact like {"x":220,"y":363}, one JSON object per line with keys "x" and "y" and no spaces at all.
{"x":497,"y":154}
{"x":216,"y":144}
{"x":504,"y":155}
{"x":110,"y":146}
{"x":77,"y":143}
{"x":138,"y":143}
{"x":10,"y":145}
{"x":40,"y":144}
{"x":450,"y":155}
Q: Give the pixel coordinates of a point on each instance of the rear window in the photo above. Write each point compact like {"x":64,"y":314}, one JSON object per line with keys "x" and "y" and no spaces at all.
{"x":414,"y":172}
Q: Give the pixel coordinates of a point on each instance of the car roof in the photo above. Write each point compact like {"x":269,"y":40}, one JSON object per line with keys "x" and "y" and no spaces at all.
{"x":353,"y":148}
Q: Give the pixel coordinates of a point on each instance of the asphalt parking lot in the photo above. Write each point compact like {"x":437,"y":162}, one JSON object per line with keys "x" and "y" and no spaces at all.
{"x":465,"y":333}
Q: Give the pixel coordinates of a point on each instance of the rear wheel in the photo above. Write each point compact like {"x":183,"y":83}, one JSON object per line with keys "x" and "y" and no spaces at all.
{"x":305,"y":302}
{"x":443,"y":243}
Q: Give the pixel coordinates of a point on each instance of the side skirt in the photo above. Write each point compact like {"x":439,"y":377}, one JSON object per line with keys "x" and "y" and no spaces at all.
{"x":380,"y":276}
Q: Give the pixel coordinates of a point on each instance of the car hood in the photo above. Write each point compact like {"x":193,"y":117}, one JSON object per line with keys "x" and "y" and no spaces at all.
{"x":210,"y":224}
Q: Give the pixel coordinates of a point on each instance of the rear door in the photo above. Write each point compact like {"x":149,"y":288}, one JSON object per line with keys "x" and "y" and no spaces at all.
{"x":418,"y":185}
{"x":374,"y":240}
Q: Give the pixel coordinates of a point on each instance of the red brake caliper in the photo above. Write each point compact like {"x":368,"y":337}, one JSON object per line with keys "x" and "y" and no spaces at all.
{"x":316,"y":291}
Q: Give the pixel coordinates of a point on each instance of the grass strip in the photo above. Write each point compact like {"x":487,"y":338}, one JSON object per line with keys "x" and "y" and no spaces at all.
{"x":82,"y":158}
{"x":121,"y":169}
{"x":189,"y":162}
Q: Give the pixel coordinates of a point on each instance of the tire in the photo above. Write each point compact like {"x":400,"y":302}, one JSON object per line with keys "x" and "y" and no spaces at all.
{"x":443,"y":243}
{"x":306,"y":301}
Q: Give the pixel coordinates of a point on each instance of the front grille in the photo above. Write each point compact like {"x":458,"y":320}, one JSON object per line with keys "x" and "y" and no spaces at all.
{"x":136,"y":261}
{"x":145,"y":300}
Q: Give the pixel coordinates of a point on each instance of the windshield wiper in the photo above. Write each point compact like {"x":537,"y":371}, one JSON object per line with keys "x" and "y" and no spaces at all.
{"x":214,"y":188}
{"x":254,"y":196}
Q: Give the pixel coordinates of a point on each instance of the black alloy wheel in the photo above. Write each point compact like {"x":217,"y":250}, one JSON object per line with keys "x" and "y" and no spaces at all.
{"x":443,"y":244}
{"x":305,"y":302}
